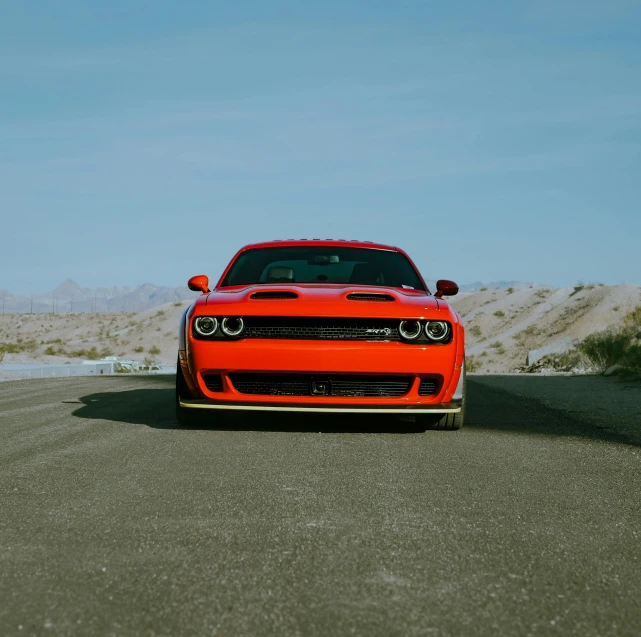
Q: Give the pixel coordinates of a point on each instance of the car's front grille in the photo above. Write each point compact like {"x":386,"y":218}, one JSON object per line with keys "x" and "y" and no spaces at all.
{"x":342,"y":385}
{"x":213,"y":382}
{"x":312,"y":328}
{"x":427,"y":387}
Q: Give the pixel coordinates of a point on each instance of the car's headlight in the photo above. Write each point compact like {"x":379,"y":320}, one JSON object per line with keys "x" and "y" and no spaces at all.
{"x":409,"y":330}
{"x":232,"y":326}
{"x":437,"y":330}
{"x":206,"y":325}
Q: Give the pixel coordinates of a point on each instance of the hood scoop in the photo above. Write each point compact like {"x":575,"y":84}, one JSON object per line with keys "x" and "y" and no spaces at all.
{"x":369,"y":296}
{"x":273,"y":294}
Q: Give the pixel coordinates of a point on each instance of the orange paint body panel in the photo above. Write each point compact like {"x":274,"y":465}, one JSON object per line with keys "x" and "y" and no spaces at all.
{"x":386,"y":356}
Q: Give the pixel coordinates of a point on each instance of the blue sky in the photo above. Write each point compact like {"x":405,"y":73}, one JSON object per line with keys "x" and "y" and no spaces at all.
{"x":148,"y":140}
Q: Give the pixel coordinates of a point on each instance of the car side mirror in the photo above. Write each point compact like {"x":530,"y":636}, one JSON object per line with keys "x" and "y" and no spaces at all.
{"x":445,"y":288}
{"x":199,"y":283}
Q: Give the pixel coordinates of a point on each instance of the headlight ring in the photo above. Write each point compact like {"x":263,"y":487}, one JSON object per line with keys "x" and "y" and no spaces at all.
{"x":206,"y":325}
{"x":410,"y":330}
{"x":437,"y":330}
{"x":232,"y":326}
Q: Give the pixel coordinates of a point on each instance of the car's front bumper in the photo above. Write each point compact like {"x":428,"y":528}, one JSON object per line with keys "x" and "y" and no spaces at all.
{"x":444,"y":363}
{"x":452,"y":407}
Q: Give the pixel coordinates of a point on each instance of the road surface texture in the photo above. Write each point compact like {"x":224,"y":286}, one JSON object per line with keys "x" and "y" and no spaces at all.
{"x":114,"y":521}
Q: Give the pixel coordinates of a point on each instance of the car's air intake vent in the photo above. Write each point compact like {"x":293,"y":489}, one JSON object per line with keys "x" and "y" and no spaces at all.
{"x":214,"y":382}
{"x":427,"y":387}
{"x":274,"y":295}
{"x":362,"y":296}
{"x":321,"y":385}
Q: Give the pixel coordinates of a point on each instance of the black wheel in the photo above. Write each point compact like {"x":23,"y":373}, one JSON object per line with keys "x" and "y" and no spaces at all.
{"x":185,"y":416}
{"x":449,"y":422}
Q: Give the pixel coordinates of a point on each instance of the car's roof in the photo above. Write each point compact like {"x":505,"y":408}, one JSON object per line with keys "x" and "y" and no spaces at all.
{"x":350,"y":243}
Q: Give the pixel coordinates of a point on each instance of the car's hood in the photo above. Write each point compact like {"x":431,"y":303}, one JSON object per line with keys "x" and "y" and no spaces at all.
{"x":320,"y":300}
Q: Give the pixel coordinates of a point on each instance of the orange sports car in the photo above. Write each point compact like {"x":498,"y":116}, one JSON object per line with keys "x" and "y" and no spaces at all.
{"x":322,"y":326}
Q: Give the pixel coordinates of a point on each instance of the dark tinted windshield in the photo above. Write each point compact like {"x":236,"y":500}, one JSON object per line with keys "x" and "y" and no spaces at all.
{"x":320,"y":264}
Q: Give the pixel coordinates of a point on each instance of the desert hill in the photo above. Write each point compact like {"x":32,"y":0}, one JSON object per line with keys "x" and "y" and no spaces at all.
{"x":502,"y":326}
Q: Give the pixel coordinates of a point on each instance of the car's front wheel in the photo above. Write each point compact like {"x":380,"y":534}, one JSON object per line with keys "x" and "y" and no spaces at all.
{"x":445,"y":421}
{"x":185,"y":416}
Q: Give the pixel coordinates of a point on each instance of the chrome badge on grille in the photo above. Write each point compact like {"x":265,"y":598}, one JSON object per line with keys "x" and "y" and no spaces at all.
{"x":386,"y":331}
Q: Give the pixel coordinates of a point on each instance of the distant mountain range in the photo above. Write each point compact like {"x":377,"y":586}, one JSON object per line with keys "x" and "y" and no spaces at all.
{"x":69,"y":297}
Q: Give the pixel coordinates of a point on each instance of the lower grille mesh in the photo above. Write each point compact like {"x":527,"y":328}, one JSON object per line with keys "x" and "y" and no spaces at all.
{"x":334,"y":385}
{"x":427,"y":387}
{"x":213,"y":382}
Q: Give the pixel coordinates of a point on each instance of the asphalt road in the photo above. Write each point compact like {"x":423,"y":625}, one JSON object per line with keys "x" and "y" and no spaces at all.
{"x":113,"y":521}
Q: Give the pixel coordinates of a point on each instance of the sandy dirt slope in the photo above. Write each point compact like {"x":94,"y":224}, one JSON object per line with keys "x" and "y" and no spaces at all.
{"x":502,"y":325}
{"x":55,"y":338}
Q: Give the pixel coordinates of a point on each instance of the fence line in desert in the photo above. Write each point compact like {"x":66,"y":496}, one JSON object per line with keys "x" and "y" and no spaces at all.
{"x":59,"y":371}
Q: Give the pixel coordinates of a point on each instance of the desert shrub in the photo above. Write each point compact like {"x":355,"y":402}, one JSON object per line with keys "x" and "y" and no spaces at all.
{"x":499,"y":313}
{"x":632,"y":359}
{"x":470,"y":364}
{"x":139,"y":349}
{"x":498,"y":346}
{"x":160,"y":313}
{"x":89,"y":354}
{"x":607,"y":348}
{"x":177,"y":304}
{"x":475,"y":330}
{"x":105,"y":351}
{"x":19,"y":346}
{"x":483,"y":289}
{"x":633,"y":317}
{"x":510,"y":290}
{"x":51,"y":351}
{"x":154,"y":351}
{"x":530,"y":330}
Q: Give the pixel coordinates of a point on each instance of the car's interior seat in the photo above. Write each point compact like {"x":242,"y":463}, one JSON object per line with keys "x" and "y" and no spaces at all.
{"x":365,"y":274}
{"x":280,"y":274}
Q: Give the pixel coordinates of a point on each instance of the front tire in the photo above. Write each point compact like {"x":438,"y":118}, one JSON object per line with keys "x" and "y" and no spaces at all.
{"x":185,"y":416}
{"x":445,"y":422}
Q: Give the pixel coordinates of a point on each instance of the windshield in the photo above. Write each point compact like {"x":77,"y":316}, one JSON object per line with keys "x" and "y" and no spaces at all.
{"x":323,"y":264}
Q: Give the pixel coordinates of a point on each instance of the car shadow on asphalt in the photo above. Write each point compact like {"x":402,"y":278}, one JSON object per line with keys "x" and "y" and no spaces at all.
{"x":487,"y":409}
{"x":154,"y":407}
